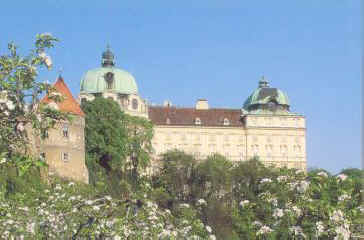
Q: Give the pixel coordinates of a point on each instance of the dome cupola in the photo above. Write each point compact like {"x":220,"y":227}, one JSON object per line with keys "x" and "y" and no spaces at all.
{"x":108,"y":78}
{"x":267,"y":100}
{"x":108,"y":58}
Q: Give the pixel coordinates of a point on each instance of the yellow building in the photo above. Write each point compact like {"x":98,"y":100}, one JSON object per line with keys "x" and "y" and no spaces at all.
{"x":263,"y":127}
{"x":64,"y":148}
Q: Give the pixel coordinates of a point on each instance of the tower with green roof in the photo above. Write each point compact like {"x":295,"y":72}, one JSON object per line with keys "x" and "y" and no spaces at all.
{"x":115,"y":83}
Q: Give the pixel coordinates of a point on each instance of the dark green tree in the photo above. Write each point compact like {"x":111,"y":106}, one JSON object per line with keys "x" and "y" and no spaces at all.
{"x":177,"y":174}
{"x":214,"y":176}
{"x":353,"y":173}
{"x":105,"y":135}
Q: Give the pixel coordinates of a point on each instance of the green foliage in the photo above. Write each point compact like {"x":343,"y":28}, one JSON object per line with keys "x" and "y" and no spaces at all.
{"x":213,"y":176}
{"x":105,"y":135}
{"x":177,"y":174}
{"x":139,"y":145}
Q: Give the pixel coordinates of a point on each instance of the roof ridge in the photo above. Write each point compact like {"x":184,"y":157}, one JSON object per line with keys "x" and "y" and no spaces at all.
{"x":69,"y":103}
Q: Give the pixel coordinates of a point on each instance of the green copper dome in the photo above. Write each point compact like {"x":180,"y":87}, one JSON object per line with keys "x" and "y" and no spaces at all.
{"x":267,"y":98}
{"x":108,"y":78}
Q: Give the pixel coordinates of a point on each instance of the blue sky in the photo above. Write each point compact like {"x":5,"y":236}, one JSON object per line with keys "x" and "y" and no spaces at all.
{"x":184,"y":50}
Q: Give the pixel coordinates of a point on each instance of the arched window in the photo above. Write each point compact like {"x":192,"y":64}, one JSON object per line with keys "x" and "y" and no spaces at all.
{"x":198,"y":121}
{"x":226,"y":122}
{"x":134,"y":104}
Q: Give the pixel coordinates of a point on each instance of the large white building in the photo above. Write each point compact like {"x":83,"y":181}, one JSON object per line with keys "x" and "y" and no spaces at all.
{"x":263,"y":127}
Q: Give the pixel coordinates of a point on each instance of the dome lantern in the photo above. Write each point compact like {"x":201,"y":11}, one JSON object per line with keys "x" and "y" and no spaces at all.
{"x":266,"y":99}
{"x":263,"y":83}
{"x":107,"y":58}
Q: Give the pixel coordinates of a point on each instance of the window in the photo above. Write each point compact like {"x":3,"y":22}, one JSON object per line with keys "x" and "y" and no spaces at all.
{"x":44,"y":133}
{"x":135,"y":104}
{"x":65,"y":157}
{"x":283,"y":149}
{"x":168,"y":121}
{"x":198,"y":121}
{"x":109,"y":77}
{"x":255,"y":149}
{"x":42,"y":156}
{"x":65,"y":130}
{"x":226,"y":122}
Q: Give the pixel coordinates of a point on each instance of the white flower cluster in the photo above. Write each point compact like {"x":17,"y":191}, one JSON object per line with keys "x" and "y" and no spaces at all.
{"x":342,"y":232}
{"x":244,"y":203}
{"x":201,"y":202}
{"x":342,"y":177}
{"x":282,"y":178}
{"x":337,"y":216}
{"x":265,"y":180}
{"x":320,"y":228}
{"x":302,"y":186}
{"x":264,"y":230}
{"x":60,"y":214}
{"x":278,"y":213}
{"x":5,"y":103}
{"x":344,"y":197}
{"x":322,"y":174}
{"x":46,"y":59}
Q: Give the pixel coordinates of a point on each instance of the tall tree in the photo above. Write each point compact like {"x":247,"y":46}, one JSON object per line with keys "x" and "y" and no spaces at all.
{"x":139,"y":144}
{"x":105,"y":134}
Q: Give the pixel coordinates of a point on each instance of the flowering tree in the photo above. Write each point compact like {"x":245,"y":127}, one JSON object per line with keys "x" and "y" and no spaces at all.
{"x":20,"y":107}
{"x":292,"y":205}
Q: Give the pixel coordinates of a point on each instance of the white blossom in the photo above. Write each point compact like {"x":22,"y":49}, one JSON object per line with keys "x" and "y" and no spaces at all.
{"x":303,"y":186}
{"x":184,"y":205}
{"x":10,"y":105}
{"x":266,"y":180}
{"x":337,"y":216}
{"x":208,"y":229}
{"x":320,"y":227}
{"x":282,"y":178}
{"x":297,"y":210}
{"x":322,"y":174}
{"x":342,"y":232}
{"x":344,"y":197}
{"x":277,"y":213}
{"x":20,"y":127}
{"x":342,"y":177}
{"x":244,"y":203}
{"x":264,"y":230}
{"x":201,"y":202}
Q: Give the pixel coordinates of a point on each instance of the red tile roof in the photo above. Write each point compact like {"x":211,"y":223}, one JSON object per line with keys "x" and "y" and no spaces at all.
{"x":69,"y":104}
{"x":187,"y":116}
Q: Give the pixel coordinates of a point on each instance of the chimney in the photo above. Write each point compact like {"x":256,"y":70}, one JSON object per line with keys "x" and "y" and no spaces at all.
{"x":202,"y":104}
{"x":167,"y":103}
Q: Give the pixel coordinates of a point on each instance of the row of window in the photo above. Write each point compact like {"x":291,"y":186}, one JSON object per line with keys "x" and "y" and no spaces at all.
{"x":65,"y":157}
{"x":198,"y":121}
{"x":226,"y":138}
{"x":282,"y":148}
{"x":269,"y":149}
